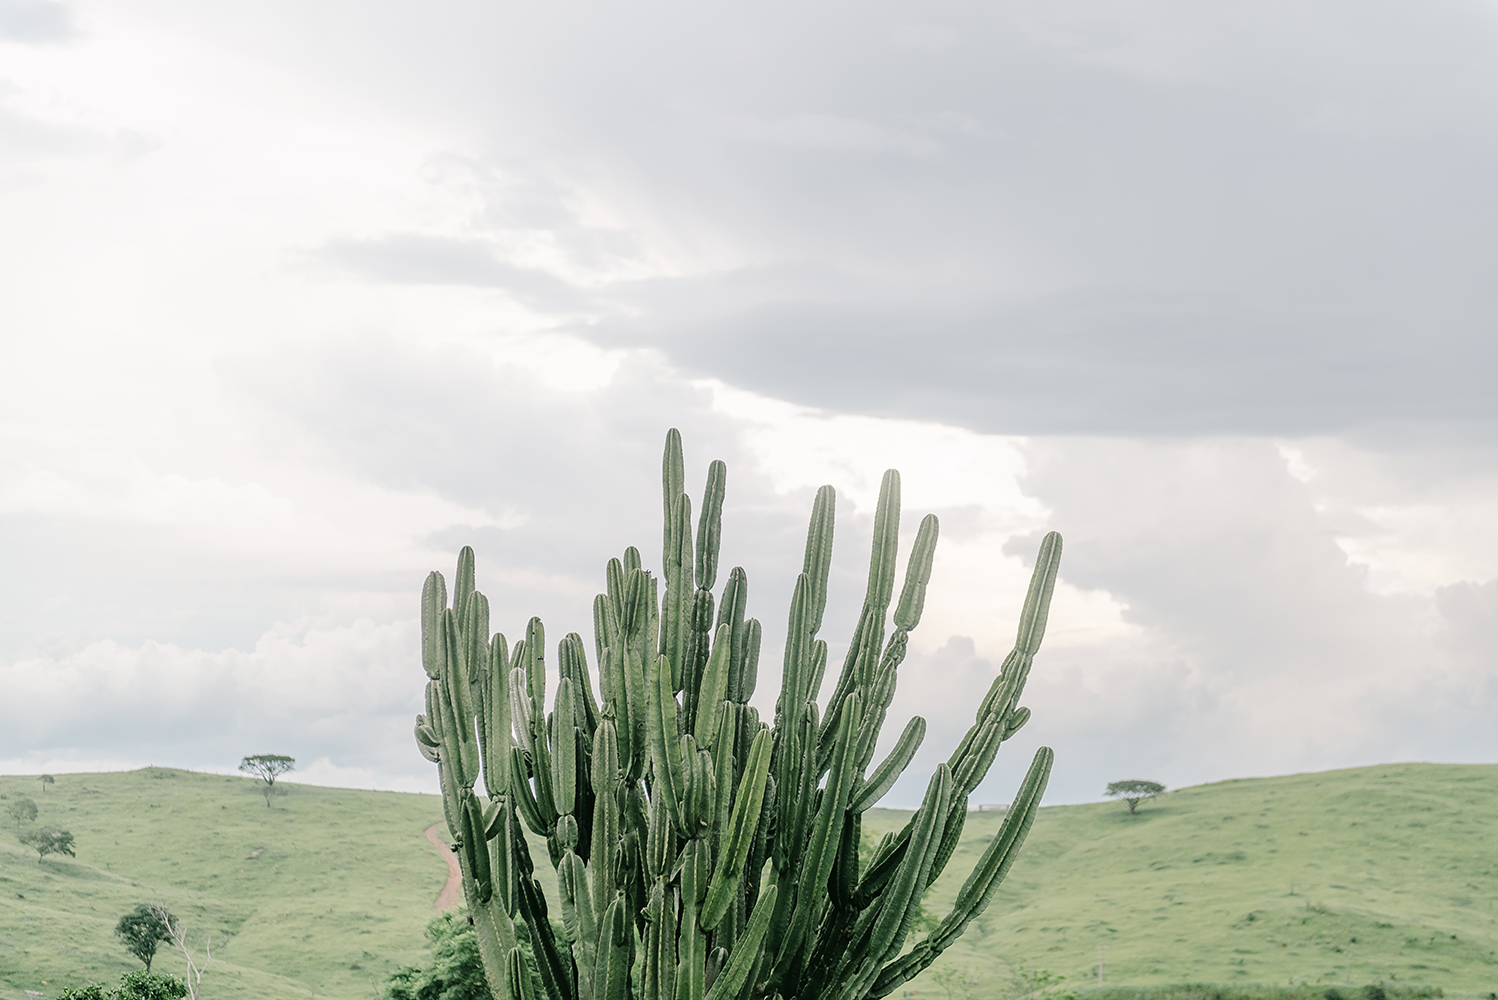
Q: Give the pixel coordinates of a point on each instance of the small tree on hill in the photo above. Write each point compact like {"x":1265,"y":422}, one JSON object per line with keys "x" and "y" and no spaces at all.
{"x":141,"y":930}
{"x":22,"y":810}
{"x":48,"y":840}
{"x":46,"y":780}
{"x":267,"y":767}
{"x":1134,"y":792}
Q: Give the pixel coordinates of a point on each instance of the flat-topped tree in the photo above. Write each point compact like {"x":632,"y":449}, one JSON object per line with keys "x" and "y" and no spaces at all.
{"x":267,"y":767}
{"x":1134,"y":792}
{"x":700,"y":853}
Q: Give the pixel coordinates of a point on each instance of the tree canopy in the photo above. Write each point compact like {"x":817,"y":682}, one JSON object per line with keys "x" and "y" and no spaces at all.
{"x":1134,"y":792}
{"x":48,"y":840}
{"x":267,"y":767}
{"x":141,"y":930}
{"x":22,"y":810}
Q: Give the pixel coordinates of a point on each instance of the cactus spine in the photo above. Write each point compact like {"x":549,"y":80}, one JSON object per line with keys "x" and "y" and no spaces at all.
{"x":701,"y":854}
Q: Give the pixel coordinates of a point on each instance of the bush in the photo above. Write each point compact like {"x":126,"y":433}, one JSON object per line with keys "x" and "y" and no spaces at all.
{"x":133,"y":986}
{"x":456,"y":972}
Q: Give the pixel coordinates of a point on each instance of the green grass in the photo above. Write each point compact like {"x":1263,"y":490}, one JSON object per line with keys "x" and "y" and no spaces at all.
{"x":320,"y":895}
{"x":1258,"y":886}
{"x":1263,"y":881}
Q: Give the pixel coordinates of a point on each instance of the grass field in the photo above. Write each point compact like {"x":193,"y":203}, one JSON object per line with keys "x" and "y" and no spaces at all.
{"x":320,"y":895}
{"x":1386,"y":874}
{"x":1346,"y":877}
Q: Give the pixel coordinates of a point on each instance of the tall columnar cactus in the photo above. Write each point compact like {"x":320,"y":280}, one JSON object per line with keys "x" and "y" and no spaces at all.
{"x":701,"y":854}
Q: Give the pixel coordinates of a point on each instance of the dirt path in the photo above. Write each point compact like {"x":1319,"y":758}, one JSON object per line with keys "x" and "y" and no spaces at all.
{"x":452,"y":893}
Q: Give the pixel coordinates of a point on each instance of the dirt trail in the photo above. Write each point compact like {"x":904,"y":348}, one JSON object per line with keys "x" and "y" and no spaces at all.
{"x":452,"y":893}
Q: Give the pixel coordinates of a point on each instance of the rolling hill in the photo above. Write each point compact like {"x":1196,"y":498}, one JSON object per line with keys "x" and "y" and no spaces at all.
{"x":1383,"y":874}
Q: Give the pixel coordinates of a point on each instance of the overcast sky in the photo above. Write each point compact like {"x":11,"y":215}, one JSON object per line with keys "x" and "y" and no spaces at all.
{"x":298,"y":297}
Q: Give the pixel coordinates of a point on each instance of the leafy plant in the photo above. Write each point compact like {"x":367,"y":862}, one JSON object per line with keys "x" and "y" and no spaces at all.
{"x":46,"y":780}
{"x":48,"y":840}
{"x":22,"y":810}
{"x":1134,"y":792}
{"x":133,"y":986}
{"x":142,"y":929}
{"x":267,"y":767}
{"x":701,"y":854}
{"x":456,"y":972}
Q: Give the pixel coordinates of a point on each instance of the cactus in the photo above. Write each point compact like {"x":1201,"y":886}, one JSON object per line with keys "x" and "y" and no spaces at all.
{"x":701,"y":854}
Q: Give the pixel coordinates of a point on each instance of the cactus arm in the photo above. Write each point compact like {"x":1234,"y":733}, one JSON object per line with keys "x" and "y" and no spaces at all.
{"x":681,"y":595}
{"x":731,"y":610}
{"x":917,"y":575}
{"x":564,"y":757}
{"x":577,"y":917}
{"x":660,"y":946}
{"x":691,"y":943}
{"x":710,"y":527}
{"x":637,"y":697}
{"x":817,"y":563}
{"x":673,"y":481}
{"x":525,"y":802}
{"x":459,"y":722}
{"x":887,"y":773}
{"x":517,"y":977}
{"x":714,"y":686}
{"x":951,"y":833}
{"x":556,"y":972}
{"x":881,"y":573}
{"x":611,"y":971}
{"x":476,"y":844}
{"x":495,"y":935}
{"x":1032,"y":619}
{"x":821,"y":852}
{"x":607,"y":819}
{"x":582,"y":683}
{"x":797,"y":654}
{"x":665,"y":750}
{"x":463,"y":581}
{"x":496,"y":718}
{"x":752,"y":636}
{"x":741,"y":962}
{"x":433,"y":601}
{"x":741,"y":827}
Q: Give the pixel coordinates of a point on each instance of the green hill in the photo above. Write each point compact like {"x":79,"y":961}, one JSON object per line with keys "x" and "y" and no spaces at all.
{"x":320,"y":895}
{"x":1384,"y":874}
{"x":1378,"y":874}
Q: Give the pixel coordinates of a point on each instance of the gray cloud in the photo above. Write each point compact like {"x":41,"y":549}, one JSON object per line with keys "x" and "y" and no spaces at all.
{"x":36,"y":21}
{"x":408,"y":259}
{"x":1099,"y":218}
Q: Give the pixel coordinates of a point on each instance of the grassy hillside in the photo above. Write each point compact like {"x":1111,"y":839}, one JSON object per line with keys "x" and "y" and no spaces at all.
{"x":1350,"y":877}
{"x":320,"y":895}
{"x":1374,"y":874}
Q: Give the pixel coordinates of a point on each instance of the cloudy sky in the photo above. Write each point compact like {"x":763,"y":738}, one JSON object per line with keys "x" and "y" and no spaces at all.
{"x":298,"y":297}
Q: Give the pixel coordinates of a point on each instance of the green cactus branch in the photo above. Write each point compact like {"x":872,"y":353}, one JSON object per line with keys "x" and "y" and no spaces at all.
{"x":699,"y":853}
